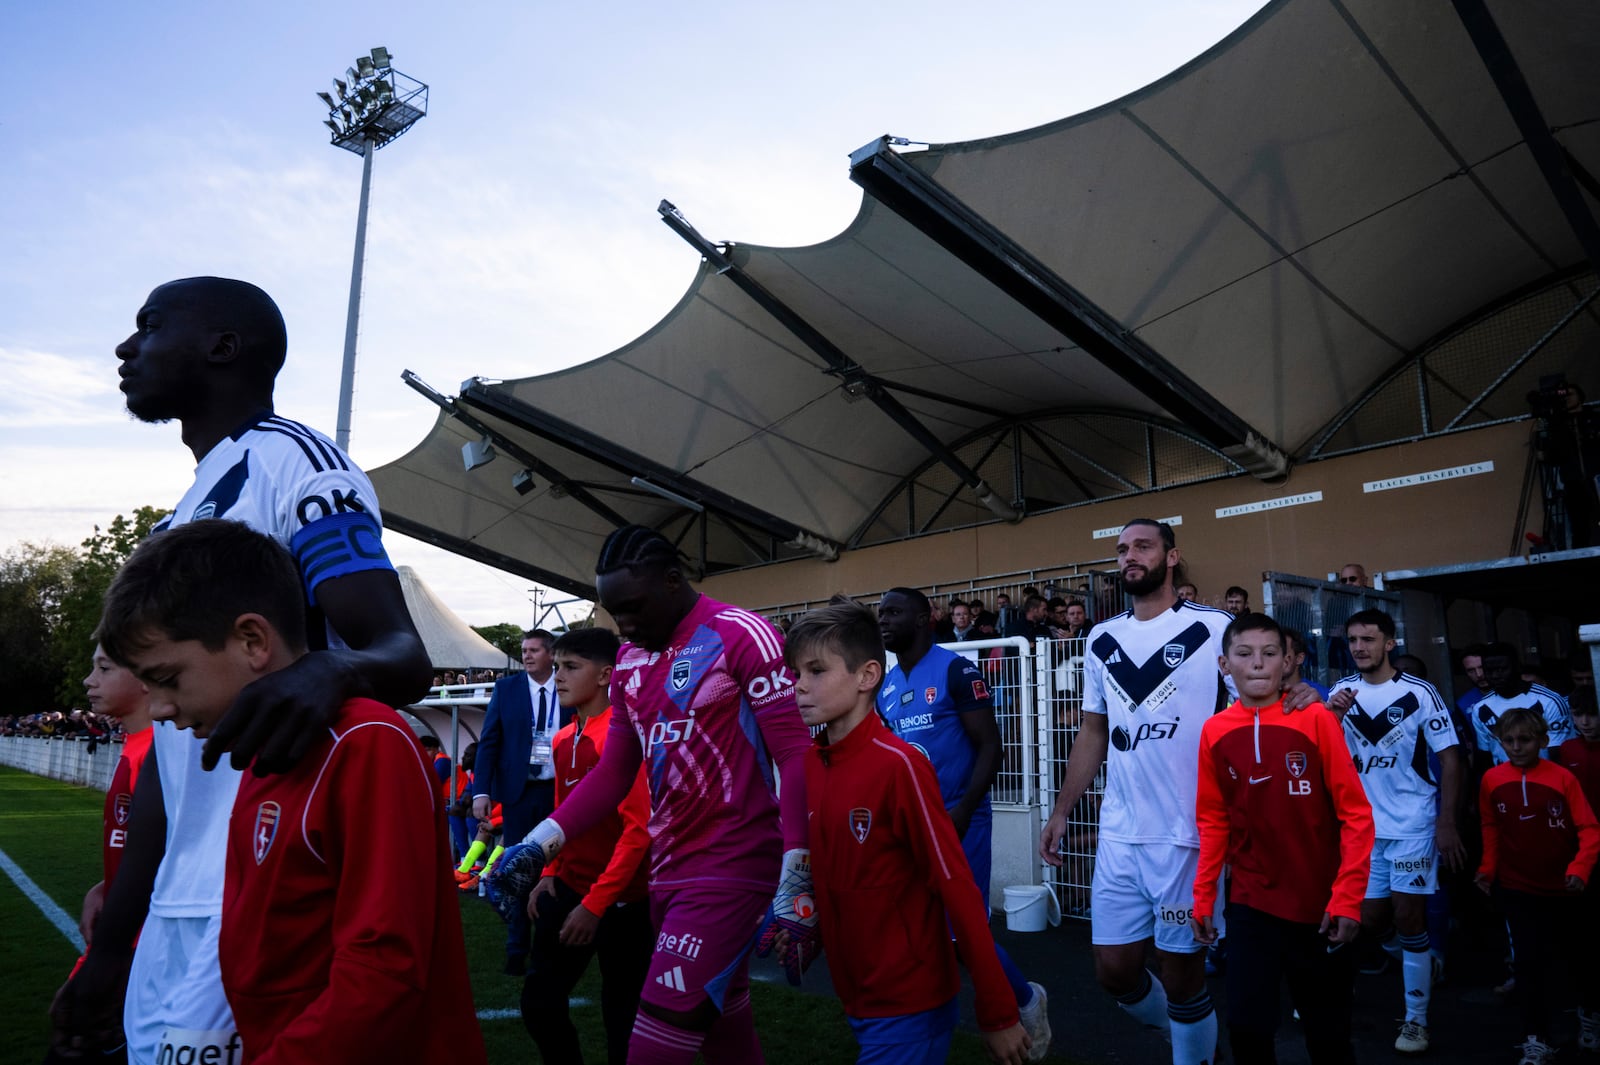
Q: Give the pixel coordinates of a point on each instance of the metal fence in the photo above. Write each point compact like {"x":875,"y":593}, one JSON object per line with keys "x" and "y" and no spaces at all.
{"x":74,"y":761}
{"x":1318,"y":610}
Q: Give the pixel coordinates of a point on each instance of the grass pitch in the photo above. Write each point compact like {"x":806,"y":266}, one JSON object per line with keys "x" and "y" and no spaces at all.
{"x":52,"y":831}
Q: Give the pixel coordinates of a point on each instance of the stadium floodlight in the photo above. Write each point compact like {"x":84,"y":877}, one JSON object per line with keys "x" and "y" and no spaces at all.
{"x":377,"y":104}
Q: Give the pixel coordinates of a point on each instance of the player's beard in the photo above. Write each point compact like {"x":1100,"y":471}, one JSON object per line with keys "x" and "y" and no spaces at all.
{"x":1153,"y":578}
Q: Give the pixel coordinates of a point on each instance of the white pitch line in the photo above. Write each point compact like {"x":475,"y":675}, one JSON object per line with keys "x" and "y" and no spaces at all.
{"x":47,"y":906}
{"x":506,"y":1015}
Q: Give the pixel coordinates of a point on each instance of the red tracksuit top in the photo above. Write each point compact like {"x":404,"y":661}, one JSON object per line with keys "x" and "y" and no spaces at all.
{"x":888,"y":868}
{"x":1538,"y":829}
{"x":607,"y":863}
{"x":1280,"y":801}
{"x":341,"y":930}
{"x":1582,"y":759}
{"x":119,"y":800}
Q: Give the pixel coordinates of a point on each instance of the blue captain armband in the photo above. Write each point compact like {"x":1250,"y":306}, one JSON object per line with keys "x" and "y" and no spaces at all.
{"x":336,"y":546}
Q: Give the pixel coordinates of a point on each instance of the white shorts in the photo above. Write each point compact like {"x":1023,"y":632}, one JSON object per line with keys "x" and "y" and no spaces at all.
{"x":1144,"y":889}
{"x":1403,"y":866}
{"x":175,"y":995}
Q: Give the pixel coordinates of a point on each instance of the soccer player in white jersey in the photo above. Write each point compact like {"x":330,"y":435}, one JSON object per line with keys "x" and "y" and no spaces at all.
{"x":206,"y":352}
{"x":1150,"y":682}
{"x":1391,"y":721}
{"x":1508,"y":691}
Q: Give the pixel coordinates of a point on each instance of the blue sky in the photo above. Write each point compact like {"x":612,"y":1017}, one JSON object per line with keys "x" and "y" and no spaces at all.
{"x":512,"y":232}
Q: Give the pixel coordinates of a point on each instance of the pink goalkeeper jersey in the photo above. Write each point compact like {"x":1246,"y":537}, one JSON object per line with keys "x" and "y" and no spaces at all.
{"x":708,"y":717}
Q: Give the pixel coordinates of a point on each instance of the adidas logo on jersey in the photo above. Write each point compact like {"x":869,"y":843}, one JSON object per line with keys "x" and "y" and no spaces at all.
{"x":672,"y":979}
{"x":1420,"y":881}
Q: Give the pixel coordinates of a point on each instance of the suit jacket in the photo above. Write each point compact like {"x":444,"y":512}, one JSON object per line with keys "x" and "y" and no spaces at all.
{"x":501,"y":769}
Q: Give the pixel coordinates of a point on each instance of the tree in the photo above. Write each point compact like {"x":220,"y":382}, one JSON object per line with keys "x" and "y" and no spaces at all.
{"x":98,"y":560}
{"x":505,"y":635}
{"x":34,"y":583}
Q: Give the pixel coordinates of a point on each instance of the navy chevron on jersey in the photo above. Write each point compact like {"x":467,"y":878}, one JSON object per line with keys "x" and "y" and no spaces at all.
{"x":924,"y":708}
{"x":1486,"y":714}
{"x":1157,"y":682}
{"x":291,"y":483}
{"x":1390,"y":729}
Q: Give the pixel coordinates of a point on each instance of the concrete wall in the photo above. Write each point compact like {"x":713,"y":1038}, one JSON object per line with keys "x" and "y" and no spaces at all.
{"x":67,"y":760}
{"x":1438,"y":522}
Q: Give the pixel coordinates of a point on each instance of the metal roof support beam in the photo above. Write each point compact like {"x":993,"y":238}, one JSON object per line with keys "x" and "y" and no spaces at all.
{"x":971,"y":238}
{"x":501,"y":404}
{"x":950,"y":497}
{"x":1542,"y":144}
{"x":575,"y":489}
{"x":857,"y":381}
{"x":479,"y":553}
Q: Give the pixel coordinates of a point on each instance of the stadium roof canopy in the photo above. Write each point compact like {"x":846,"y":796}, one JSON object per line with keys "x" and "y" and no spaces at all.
{"x":1352,"y":222}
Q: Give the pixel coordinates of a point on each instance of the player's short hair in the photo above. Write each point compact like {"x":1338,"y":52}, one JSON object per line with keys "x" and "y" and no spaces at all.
{"x":194,"y":581}
{"x":593,"y":643}
{"x":1169,"y":539}
{"x":544,"y":636}
{"x":1411,"y":665}
{"x":1526,"y":718}
{"x":243,"y":308}
{"x":635,"y":547}
{"x":1057,"y":603}
{"x":1077,"y":602}
{"x":916,"y":596}
{"x":1582,"y":701}
{"x":1251,"y":622}
{"x":1234,"y":589}
{"x":429,"y":742}
{"x":1032,"y":601}
{"x":844,"y":627}
{"x":1293,"y":642}
{"x":1379,"y":619}
{"x":1501,"y":650}
{"x":1472,"y":651}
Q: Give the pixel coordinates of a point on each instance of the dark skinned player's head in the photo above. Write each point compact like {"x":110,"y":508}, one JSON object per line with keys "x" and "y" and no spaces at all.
{"x":640,"y":583}
{"x":197,"y":339}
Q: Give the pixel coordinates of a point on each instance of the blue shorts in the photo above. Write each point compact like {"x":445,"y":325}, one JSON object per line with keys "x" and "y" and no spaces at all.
{"x":978,"y":846}
{"x":909,"y":1039}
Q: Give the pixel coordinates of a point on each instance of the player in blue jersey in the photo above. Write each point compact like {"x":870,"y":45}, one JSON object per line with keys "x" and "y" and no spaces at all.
{"x":1508,"y":691}
{"x":937,"y":701}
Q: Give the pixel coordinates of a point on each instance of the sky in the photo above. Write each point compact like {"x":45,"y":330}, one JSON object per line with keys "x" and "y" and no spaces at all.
{"x":512,"y":232}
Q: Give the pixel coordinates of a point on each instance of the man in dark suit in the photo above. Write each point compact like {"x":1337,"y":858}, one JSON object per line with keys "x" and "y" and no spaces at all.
{"x":513,"y":766}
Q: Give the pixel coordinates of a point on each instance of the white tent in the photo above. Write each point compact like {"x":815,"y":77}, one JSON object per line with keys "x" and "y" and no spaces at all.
{"x":449,"y":640}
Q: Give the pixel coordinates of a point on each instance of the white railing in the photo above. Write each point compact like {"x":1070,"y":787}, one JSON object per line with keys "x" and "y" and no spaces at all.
{"x":68,"y":760}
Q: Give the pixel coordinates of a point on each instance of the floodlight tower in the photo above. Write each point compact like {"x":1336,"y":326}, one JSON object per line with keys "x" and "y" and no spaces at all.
{"x":376,"y":104}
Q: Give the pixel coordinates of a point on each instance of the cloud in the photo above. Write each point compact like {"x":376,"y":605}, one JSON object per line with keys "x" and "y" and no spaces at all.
{"x":46,"y":390}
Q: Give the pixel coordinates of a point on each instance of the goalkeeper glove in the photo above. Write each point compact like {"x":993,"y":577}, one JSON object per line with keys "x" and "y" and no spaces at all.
{"x":518,"y":871}
{"x":793,"y":911}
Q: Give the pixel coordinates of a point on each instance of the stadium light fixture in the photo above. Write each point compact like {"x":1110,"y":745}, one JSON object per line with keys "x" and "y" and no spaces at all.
{"x":377,"y":105}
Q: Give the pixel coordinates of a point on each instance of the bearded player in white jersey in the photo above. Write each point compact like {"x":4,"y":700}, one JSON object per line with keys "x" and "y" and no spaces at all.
{"x":1150,"y":682}
{"x":206,"y":352}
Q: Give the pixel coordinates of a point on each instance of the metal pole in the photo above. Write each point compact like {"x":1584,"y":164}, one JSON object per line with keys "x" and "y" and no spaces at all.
{"x":347,"y":375}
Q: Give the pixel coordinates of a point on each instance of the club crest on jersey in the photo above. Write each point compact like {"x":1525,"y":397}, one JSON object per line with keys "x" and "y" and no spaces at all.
{"x":1172,"y":654}
{"x":205,"y":510}
{"x":1395,"y":714}
{"x":121,"y":807}
{"x":931,"y":695}
{"x":1296,"y":763}
{"x":680,"y":673}
{"x":860,"y":823}
{"x":979,"y":689}
{"x":266,"y":830}
{"x":1556,"y":808}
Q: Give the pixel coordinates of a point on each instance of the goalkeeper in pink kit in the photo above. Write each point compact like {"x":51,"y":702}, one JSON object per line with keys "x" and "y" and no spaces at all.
{"x":702,"y":698}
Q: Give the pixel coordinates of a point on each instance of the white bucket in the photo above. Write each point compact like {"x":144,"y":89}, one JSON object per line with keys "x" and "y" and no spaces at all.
{"x":1029,"y":906}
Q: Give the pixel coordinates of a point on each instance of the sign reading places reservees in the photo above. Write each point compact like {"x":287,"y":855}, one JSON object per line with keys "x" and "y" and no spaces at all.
{"x":1106,"y":534}
{"x":1269,"y":504}
{"x":1448,"y":474}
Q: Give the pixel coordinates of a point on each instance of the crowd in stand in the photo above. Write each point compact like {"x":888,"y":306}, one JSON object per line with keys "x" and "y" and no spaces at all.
{"x":55,"y":724}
